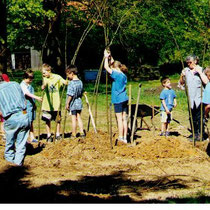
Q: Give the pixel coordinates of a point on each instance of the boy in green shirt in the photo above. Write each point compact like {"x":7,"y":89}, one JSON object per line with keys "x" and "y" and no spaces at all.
{"x":51,"y":100}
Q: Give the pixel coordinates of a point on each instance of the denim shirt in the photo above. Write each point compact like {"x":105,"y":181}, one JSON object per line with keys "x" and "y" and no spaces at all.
{"x":12,"y":99}
{"x":194,"y":84}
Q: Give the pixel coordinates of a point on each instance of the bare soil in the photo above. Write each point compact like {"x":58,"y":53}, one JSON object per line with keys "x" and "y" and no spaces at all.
{"x":157,"y":169}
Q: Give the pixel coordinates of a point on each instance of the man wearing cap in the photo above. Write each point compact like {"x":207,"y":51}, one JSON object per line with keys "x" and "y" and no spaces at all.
{"x":16,"y":125}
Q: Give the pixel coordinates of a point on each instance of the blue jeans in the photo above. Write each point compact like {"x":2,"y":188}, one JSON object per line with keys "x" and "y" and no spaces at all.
{"x":17,"y":129}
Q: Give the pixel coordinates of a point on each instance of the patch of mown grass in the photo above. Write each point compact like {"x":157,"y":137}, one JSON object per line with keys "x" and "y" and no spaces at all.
{"x":148,"y":93}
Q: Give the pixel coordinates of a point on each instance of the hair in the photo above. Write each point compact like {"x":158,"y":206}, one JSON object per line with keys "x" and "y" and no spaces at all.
{"x":207,"y":70}
{"x":194,"y":57}
{"x":164,"y":80}
{"x":29,"y":74}
{"x":72,"y":69}
{"x":46,"y":67}
{"x":122,"y":67}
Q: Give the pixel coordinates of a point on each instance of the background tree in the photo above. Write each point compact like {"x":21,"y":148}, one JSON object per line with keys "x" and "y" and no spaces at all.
{"x":3,"y":37}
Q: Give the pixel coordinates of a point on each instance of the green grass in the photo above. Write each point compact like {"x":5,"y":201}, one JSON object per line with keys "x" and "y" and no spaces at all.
{"x":148,"y":94}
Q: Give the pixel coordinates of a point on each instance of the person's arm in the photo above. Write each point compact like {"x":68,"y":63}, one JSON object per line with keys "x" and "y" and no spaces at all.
{"x":165,"y":107}
{"x":33,"y":96}
{"x":175,"y":102}
{"x":106,"y":61}
{"x":182,"y":77}
{"x":69,"y":98}
{"x":203,"y":77}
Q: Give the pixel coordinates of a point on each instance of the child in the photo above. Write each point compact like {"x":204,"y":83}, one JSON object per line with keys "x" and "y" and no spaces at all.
{"x":168,"y":101}
{"x":74,"y":101}
{"x":28,"y":91}
{"x":51,"y":100}
{"x":119,"y":96}
{"x":206,"y":94}
{"x":6,"y":79}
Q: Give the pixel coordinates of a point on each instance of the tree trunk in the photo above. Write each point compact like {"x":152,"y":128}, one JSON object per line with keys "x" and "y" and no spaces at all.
{"x":3,"y":37}
{"x":52,"y":52}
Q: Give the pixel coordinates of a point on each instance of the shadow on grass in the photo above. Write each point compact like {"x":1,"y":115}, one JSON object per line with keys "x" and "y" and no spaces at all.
{"x":114,"y":188}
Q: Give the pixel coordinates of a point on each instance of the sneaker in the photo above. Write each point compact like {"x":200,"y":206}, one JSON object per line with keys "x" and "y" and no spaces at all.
{"x":34,"y":141}
{"x":58,"y":138}
{"x":49,"y":139}
{"x":162,"y":134}
{"x":122,"y":140}
{"x":167,"y":133}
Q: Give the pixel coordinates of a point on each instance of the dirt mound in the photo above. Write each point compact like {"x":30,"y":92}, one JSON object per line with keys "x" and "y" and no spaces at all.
{"x":97,"y":147}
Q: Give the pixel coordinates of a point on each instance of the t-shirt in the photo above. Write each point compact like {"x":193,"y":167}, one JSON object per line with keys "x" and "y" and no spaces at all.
{"x":51,"y":99}
{"x":168,"y":95}
{"x":75,"y":89}
{"x":206,"y":94}
{"x":119,"y":94}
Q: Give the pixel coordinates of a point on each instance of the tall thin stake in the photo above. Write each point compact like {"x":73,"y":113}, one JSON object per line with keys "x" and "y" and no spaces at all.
{"x":135,"y":115}
{"x":129,"y":108}
{"x":110,"y":124}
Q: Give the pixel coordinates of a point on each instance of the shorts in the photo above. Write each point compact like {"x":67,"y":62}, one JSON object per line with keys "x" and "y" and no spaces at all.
{"x":74,"y":112}
{"x":121,"y":107}
{"x":165,"y":118}
{"x":51,"y":115}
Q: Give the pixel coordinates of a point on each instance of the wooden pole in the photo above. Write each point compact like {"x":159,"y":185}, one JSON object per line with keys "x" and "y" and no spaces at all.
{"x":129,"y":108}
{"x":135,"y":115}
{"x":110,"y":124}
{"x":90,"y":113}
{"x":39,"y":117}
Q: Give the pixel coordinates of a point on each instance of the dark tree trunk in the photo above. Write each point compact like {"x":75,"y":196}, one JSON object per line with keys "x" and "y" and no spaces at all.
{"x":3,"y":37}
{"x":52,"y":52}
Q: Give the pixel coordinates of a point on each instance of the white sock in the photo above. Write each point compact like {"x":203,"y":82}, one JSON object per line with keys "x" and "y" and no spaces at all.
{"x":57,"y":134}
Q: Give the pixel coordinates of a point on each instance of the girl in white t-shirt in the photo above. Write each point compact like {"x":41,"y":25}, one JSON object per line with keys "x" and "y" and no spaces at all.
{"x":28,"y":91}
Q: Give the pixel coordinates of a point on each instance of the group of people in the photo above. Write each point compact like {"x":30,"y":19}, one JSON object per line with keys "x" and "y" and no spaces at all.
{"x":17,"y":103}
{"x":18,"y":109}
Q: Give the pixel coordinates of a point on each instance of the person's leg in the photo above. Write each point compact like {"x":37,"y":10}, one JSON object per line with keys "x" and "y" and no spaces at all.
{"x":48,"y":128}
{"x":80,"y":123}
{"x":58,"y":129}
{"x":163,"y":117}
{"x":120,"y":124}
{"x":74,"y":124}
{"x":125,"y":125}
{"x":10,"y":127}
{"x":32,"y":132}
{"x":21,"y":140}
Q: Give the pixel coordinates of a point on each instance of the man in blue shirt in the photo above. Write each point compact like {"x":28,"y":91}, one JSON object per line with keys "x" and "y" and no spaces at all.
{"x":168,"y":101}
{"x":16,"y":126}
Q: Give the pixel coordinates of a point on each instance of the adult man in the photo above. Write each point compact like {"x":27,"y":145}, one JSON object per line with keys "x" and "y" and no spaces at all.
{"x":194,"y":77}
{"x":16,"y":125}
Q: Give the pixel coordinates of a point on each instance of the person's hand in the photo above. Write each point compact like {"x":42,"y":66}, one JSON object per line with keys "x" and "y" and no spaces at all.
{"x":183,"y":72}
{"x":198,"y":69}
{"x":43,"y":87}
{"x":106,"y":53}
{"x":168,"y":112}
{"x":39,"y":98}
